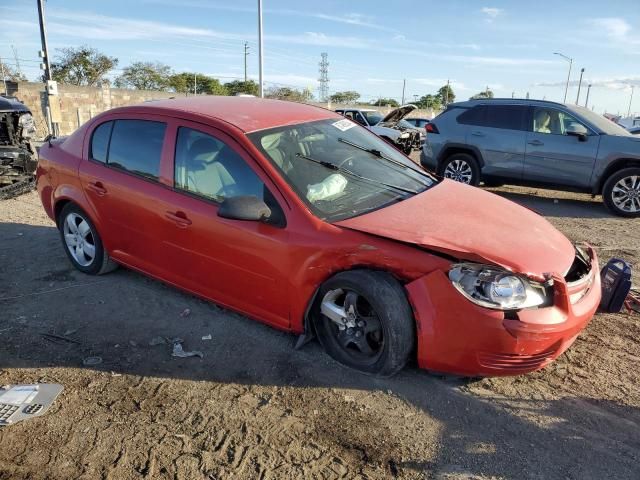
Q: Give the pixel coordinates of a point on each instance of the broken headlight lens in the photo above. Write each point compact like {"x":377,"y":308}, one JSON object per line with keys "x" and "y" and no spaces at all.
{"x":499,"y":289}
{"x":28,"y":125}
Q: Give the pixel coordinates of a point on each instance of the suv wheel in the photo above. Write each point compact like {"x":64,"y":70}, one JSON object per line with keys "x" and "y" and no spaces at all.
{"x":462,"y":168}
{"x":621,"y":192}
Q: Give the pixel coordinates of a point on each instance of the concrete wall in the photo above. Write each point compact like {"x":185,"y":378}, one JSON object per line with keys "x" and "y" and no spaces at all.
{"x":79,"y":104}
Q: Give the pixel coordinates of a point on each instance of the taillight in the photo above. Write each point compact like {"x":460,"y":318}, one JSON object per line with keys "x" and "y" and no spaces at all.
{"x":431,"y":128}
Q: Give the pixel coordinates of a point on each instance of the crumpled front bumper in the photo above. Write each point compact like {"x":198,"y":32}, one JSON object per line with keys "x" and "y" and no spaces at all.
{"x":459,"y":337}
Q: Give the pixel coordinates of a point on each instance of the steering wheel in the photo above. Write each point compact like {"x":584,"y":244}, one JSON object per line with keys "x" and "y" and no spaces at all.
{"x":348,"y":161}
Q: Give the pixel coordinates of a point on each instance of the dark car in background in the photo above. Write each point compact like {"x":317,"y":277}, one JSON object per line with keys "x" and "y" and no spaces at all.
{"x":538,"y":143}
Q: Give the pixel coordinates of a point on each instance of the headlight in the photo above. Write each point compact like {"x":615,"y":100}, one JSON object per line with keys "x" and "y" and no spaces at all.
{"x":404,"y":135}
{"x":27,"y":124}
{"x":499,"y":289}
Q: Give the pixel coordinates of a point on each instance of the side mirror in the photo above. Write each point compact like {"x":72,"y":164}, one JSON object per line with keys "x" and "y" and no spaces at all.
{"x":577,"y":130}
{"x":245,"y":207}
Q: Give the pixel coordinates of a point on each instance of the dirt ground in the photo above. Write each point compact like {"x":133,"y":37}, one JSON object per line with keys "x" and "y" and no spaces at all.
{"x":254,"y":407}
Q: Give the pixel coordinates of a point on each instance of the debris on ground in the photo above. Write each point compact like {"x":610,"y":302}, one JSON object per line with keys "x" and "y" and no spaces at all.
{"x":157,"y":341}
{"x":59,"y":339}
{"x":185,"y":313}
{"x":178,"y":351}
{"x":21,"y":402}
{"x":91,"y":361}
{"x":207,"y":337}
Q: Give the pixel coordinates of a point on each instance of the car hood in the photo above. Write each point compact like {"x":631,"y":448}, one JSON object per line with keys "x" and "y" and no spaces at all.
{"x":471,"y":224}
{"x":394,"y":116}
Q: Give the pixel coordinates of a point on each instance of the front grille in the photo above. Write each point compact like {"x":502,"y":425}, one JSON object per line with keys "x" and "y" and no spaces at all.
{"x":516,"y":362}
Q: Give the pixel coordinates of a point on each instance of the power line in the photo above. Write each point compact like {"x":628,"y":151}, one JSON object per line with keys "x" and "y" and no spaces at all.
{"x":323,"y":90}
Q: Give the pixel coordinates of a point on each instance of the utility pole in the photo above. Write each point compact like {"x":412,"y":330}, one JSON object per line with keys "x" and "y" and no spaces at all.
{"x":579,"y":86}
{"x":446,"y":94}
{"x":570,"y":60}
{"x":15,"y":56}
{"x":43,"y":39}
{"x":323,"y":89}
{"x":260,"y":59}
{"x":246,"y":52}
{"x":586,"y":102}
{"x":404,"y":85}
{"x":195,"y":84}
{"x":630,"y":100}
{"x":513,"y":94}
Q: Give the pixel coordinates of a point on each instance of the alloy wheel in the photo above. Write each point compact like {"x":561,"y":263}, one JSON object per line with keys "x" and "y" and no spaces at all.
{"x":626,"y":194}
{"x":355,"y":327}
{"x":459,"y":170}
{"x":79,"y":239}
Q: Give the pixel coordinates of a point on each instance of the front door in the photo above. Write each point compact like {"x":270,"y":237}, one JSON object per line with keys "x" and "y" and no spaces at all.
{"x":240,"y":264}
{"x":553,"y":156}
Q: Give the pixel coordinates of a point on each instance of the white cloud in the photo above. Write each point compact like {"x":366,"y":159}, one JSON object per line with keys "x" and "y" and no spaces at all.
{"x":613,"y":27}
{"x":623,"y":83}
{"x":491,"y":13}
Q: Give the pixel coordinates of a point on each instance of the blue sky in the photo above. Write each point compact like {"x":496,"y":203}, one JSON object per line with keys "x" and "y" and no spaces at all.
{"x":372,"y":45}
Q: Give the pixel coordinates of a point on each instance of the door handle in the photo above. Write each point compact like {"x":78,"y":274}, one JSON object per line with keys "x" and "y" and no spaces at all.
{"x":180,"y":218}
{"x":536,"y":143}
{"x":98,"y":188}
{"x":477,"y":134}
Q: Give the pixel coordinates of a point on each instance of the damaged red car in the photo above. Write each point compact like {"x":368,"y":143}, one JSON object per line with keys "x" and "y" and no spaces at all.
{"x":304,"y":220}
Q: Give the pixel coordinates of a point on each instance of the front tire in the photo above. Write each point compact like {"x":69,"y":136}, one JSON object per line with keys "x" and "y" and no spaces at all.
{"x":621,"y":192}
{"x":462,"y":168}
{"x":82,"y":243}
{"x":364,"y":321}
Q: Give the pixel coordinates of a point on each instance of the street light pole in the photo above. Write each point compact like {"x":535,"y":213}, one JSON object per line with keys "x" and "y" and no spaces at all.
{"x":260,"y":59}
{"x":630,"y":100}
{"x":570,"y":60}
{"x":579,"y":86}
{"x":586,"y":102}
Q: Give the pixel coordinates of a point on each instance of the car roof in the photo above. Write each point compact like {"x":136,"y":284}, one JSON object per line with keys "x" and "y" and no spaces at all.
{"x":512,"y":101}
{"x":246,"y":113}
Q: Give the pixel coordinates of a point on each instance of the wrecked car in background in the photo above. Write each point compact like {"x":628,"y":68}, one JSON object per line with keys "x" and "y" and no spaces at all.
{"x":18,"y":159}
{"x":405,"y":137}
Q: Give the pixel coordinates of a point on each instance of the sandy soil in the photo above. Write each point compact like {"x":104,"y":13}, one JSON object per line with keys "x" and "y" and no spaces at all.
{"x":254,"y":407}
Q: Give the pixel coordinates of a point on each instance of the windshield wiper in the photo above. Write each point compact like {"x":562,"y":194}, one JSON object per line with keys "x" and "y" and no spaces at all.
{"x":333,"y":166}
{"x":379,"y":154}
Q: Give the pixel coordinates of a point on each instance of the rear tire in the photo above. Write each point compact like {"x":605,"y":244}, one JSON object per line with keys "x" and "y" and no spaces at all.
{"x":82,"y":243}
{"x":463,"y":168}
{"x":377,"y":335}
{"x":621,"y":192}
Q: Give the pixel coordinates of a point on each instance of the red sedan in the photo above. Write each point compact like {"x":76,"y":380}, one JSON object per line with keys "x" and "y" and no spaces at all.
{"x":302,"y":219}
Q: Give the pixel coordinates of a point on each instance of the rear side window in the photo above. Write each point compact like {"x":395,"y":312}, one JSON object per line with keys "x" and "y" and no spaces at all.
{"x":136,"y":147}
{"x":510,"y":117}
{"x":474,"y":116}
{"x":100,"y":142}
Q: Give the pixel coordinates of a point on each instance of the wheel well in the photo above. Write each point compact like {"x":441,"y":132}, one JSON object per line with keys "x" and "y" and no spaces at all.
{"x":614,"y":167}
{"x":60,"y":204}
{"x":449,"y":151}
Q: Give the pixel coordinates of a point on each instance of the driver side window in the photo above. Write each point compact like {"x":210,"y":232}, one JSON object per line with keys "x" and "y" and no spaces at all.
{"x":206,"y":166}
{"x":552,"y":121}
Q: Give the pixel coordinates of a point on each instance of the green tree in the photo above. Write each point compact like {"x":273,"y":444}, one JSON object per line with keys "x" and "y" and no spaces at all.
{"x":186,"y":81}
{"x":484,"y":94}
{"x":82,"y":66}
{"x":345,"y":97}
{"x":446,"y":95}
{"x":241,"y":87}
{"x":145,"y":76}
{"x":290,"y":94}
{"x":429,"y":101}
{"x":386,"y":102}
{"x":12,"y":74}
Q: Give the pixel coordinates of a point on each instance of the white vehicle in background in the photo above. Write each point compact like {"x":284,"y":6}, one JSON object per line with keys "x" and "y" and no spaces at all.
{"x":388,"y":127}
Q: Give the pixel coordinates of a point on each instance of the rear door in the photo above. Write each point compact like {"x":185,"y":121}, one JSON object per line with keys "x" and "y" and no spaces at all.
{"x":121,"y":181}
{"x":554,"y":157}
{"x":498,"y":131}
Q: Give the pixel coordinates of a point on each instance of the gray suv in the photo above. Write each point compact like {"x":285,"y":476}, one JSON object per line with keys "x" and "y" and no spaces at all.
{"x":539,"y":143}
